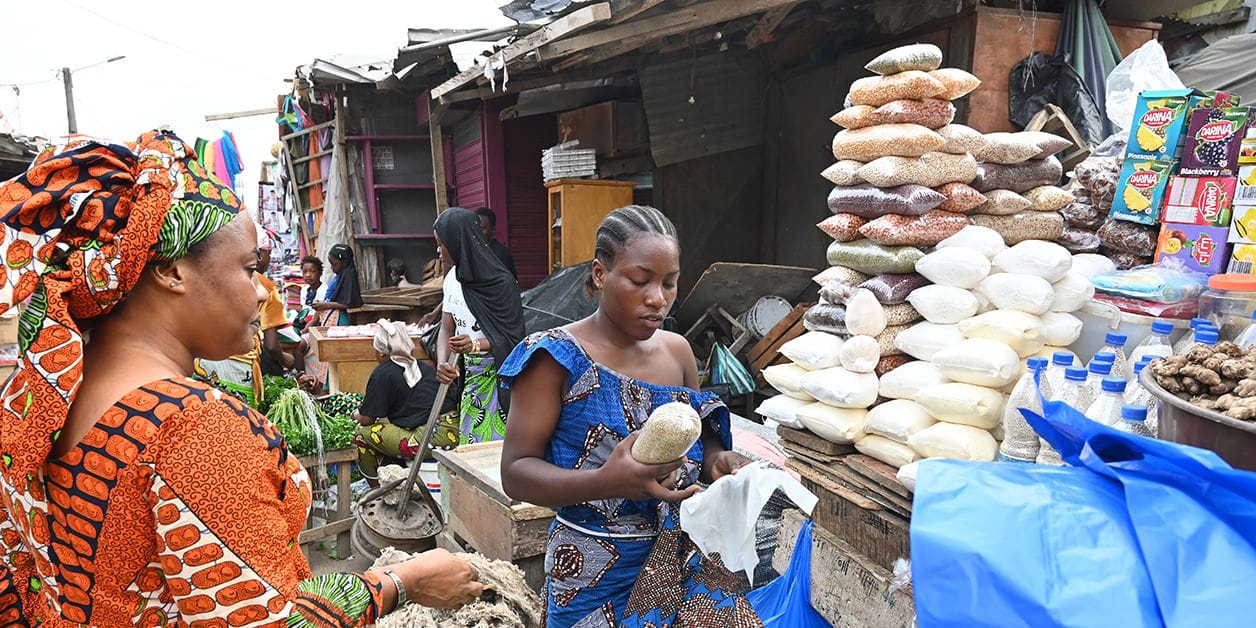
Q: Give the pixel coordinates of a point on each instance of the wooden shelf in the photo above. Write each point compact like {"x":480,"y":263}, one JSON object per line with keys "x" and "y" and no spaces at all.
{"x":386,"y":138}
{"x":394,"y":236}
{"x":404,"y":186}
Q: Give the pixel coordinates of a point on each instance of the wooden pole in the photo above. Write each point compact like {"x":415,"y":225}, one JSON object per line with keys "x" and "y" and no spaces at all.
{"x":438,"y":155}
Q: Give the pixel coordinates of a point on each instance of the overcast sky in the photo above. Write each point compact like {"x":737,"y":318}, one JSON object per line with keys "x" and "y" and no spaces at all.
{"x":186,"y":60}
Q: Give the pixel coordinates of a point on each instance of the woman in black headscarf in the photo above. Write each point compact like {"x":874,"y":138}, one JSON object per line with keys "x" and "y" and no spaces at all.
{"x":483,"y":320}
{"x":343,"y":291}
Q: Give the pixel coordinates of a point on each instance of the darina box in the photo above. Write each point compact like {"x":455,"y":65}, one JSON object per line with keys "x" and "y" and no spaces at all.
{"x":1140,"y":191}
{"x":1213,"y":141}
{"x":1201,"y":248}
{"x":1204,"y":201}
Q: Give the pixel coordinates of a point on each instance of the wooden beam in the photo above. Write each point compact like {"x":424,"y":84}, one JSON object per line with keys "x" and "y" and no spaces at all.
{"x":636,"y":34}
{"x":241,"y":114}
{"x":525,"y":84}
{"x":561,"y":27}
{"x":766,"y":25}
{"x":438,"y":155}
{"x":628,"y":14}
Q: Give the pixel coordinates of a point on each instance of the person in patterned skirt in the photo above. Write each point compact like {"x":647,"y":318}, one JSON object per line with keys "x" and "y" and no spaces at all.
{"x":580,"y":393}
{"x":131,"y":493}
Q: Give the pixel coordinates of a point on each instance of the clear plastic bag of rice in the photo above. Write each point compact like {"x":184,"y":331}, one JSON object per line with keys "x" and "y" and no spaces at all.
{"x":839,"y":274}
{"x":903,"y":140}
{"x":922,"y":57}
{"x":1027,"y":225}
{"x":1049,"y":198}
{"x":1007,"y":148}
{"x":910,"y":85}
{"x":669,"y":433}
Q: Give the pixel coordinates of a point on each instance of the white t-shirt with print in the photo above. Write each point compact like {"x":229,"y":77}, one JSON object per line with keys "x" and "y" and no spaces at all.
{"x":455,"y":305}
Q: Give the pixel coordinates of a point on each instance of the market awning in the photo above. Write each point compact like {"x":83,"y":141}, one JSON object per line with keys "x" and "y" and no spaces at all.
{"x":1225,"y":65}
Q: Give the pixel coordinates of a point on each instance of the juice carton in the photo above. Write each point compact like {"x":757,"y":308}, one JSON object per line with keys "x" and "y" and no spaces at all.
{"x":1243,"y":225}
{"x":1159,"y":123}
{"x":1242,"y":259}
{"x":1201,"y":248}
{"x":1213,"y":140}
{"x":1140,"y":191}
{"x":1247,"y":148}
{"x":1204,"y":201}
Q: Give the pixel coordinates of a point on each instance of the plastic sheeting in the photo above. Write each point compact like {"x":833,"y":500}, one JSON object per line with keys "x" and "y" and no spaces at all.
{"x":1088,"y":45}
{"x":1226,"y":65}
{"x":1040,"y":79}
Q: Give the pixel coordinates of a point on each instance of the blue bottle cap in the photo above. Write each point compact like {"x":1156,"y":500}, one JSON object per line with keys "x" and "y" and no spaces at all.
{"x":1138,"y":368}
{"x":1062,"y":358}
{"x":1103,"y":356}
{"x":1117,"y":339}
{"x":1113,"y":384}
{"x":1147,"y":359}
{"x":1133,"y":412}
{"x":1036,"y":363}
{"x":1162,"y":328}
{"x":1206,"y":336}
{"x":1100,"y":368}
{"x":1075,"y":374}
{"x":1196,"y":322}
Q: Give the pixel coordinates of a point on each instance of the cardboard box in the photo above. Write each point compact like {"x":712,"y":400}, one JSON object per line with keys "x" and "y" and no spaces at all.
{"x":1204,"y":249}
{"x":1213,"y":140}
{"x":1247,"y":149}
{"x":1140,"y":191}
{"x":1159,"y":125}
{"x":1242,"y":259}
{"x":1204,"y":201}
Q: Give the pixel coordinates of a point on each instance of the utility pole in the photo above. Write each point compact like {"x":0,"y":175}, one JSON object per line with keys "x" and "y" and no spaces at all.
{"x":68,"y":80}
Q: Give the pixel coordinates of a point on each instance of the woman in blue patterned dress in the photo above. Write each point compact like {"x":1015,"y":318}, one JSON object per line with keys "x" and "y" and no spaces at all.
{"x":580,"y":393}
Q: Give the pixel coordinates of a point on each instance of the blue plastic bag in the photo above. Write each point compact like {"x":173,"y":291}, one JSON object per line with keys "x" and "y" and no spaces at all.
{"x":1139,"y":532}
{"x":786,"y":601}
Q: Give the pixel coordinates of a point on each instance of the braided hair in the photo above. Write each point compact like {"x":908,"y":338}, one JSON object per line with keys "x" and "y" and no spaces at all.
{"x":622,"y":225}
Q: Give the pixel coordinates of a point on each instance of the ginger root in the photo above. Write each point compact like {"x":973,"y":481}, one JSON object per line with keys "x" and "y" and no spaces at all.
{"x":1220,"y":378}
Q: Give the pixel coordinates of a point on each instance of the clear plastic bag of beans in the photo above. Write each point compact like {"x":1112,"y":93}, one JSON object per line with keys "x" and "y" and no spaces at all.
{"x":1099,"y":176}
{"x":961,"y":139}
{"x":835,"y":293}
{"x":843,"y":227}
{"x":857,"y":117}
{"x":1083,"y":215}
{"x":928,"y":229}
{"x":930,"y":170}
{"x":1003,"y":203}
{"x":827,"y":318}
{"x":1123,"y":260}
{"x":1079,"y":240}
{"x":1049,"y":198}
{"x":1007,"y":148}
{"x":956,"y":83}
{"x":1048,"y":143}
{"x":1019,"y":178}
{"x":893,"y":288}
{"x":1129,"y":237}
{"x":930,"y":112}
{"x":844,"y":172}
{"x":839,"y":274}
{"x":903,"y":140}
{"x":870,"y":201}
{"x":909,"y":85}
{"x":1027,"y":225}
{"x":901,"y":314}
{"x":961,"y":198}
{"x":871,"y":258}
{"x":890,"y":362}
{"x":922,"y":57}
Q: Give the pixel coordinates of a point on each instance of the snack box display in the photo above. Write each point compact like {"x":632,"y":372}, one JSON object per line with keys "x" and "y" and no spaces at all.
{"x":1160,"y":118}
{"x":1213,"y":140}
{"x":1247,"y":148}
{"x":1204,"y":249}
{"x":1242,"y":259}
{"x":1204,"y":201}
{"x":1140,"y":191}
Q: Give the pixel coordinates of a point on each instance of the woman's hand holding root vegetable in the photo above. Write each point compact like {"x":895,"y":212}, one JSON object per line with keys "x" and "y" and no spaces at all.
{"x":626,"y":477}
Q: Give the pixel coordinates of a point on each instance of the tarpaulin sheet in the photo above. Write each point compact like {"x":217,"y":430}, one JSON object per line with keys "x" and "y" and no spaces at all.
{"x":1226,"y":65}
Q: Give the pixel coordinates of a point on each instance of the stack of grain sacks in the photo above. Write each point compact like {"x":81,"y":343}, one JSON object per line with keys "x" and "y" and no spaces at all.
{"x":1018,"y":173}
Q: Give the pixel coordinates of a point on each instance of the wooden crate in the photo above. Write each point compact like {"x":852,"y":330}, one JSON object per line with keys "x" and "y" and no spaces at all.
{"x":481,"y":515}
{"x":863,"y":523}
{"x":767,"y":351}
{"x":338,"y":521}
{"x":350,"y":361}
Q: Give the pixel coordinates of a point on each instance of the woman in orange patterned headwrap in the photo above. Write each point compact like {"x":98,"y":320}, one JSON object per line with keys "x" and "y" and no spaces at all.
{"x":131,"y":493}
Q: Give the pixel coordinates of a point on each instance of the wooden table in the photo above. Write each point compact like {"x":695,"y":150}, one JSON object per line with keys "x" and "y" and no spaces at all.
{"x":481,"y":516}
{"x":338,"y":521}
{"x":350,"y":360}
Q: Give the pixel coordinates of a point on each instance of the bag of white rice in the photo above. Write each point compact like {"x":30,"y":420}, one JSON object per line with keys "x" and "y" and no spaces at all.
{"x":943,"y":305}
{"x":959,"y":442}
{"x":922,"y":340}
{"x":984,"y":240}
{"x":979,"y":361}
{"x":843,"y":426}
{"x":907,"y":475}
{"x":898,"y":419}
{"x":1014,"y":291}
{"x":1035,"y":257}
{"x":841,"y":388}
{"x":787,"y":379}
{"x":906,"y":381}
{"x":956,"y":266}
{"x":964,"y":404}
{"x":1060,"y":329}
{"x":1072,"y":293}
{"x":886,"y":450}
{"x":783,"y":409}
{"x":814,"y":350}
{"x":1018,"y":330}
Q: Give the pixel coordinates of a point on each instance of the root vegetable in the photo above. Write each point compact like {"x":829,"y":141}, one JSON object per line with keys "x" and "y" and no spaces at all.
{"x":671,"y":430}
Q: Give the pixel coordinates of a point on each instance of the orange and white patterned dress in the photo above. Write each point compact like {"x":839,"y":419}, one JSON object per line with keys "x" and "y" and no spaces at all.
{"x":181,"y":507}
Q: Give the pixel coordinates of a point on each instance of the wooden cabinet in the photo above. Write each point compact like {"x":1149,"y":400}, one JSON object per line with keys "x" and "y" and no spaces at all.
{"x":576,"y":208}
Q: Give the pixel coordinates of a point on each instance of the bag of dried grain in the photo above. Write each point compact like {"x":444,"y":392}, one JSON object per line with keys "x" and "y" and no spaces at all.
{"x":892,"y":289}
{"x":864,"y":314}
{"x":1002,"y":203}
{"x":984,"y":240}
{"x":888,"y":339}
{"x":921,"y":57}
{"x":925,"y":230}
{"x":860,"y":354}
{"x":826,"y":317}
{"x":869,"y":201}
{"x":814,"y":350}
{"x":886,"y":450}
{"x":1018,"y":178}
{"x":909,"y":85}
{"x":1007,"y":148}
{"x":1028,"y":225}
{"x":787,"y":379}
{"x":782,"y":409}
{"x":843,"y":426}
{"x":899,"y":314}
{"x":1035,"y":257}
{"x":842,"y":227}
{"x":1072,"y":293}
{"x":1048,"y":198}
{"x":1018,"y":330}
{"x":979,"y":361}
{"x":955,"y":266}
{"x":844,"y":172}
{"x":955,"y":83}
{"x":960,"y":198}
{"x":904,"y":140}
{"x":898,"y":419}
{"x":1059,"y":329}
{"x":1079,"y":240}
{"x":959,"y":442}
{"x":839,"y":274}
{"x":930,"y":170}
{"x":961,"y":139}
{"x":888,"y":363}
{"x":871,"y":258}
{"x":943,"y":305}
{"x":930,"y":113}
{"x":1020,"y":292}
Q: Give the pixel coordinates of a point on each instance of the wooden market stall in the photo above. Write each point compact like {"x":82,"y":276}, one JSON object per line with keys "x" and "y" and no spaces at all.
{"x":350,"y":359}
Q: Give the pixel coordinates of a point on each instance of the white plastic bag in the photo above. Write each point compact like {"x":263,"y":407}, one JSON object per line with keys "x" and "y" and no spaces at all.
{"x":1018,"y":330}
{"x":964,"y":404}
{"x":843,"y":426}
{"x":922,"y":340}
{"x":864,"y":314}
{"x":1060,"y":329}
{"x":1072,"y":293}
{"x":907,"y":475}
{"x":898,"y":419}
{"x":894,"y":454}
{"x":1089,"y":265}
{"x":983,"y":240}
{"x":782,"y":409}
{"x":860,"y":354}
{"x":956,"y":266}
{"x":960,"y":442}
{"x":1035,"y":257}
{"x":1014,"y":291}
{"x":787,"y":379}
{"x":906,"y":381}
{"x":944,"y":305}
{"x":813,"y":350}
{"x":979,"y":361}
{"x":841,"y":388}
{"x":1144,"y":69}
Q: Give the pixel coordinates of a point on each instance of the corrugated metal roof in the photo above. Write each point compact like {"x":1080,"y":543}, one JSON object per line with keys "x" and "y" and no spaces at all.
{"x":703,"y":106}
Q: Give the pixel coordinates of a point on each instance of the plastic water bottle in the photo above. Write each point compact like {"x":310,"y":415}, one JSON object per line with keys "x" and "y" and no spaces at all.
{"x":1184,"y":343}
{"x":1070,"y":393}
{"x":1248,"y":337}
{"x":1114,"y":343}
{"x":1136,"y":394}
{"x":1205,"y":336}
{"x":1134,"y":421}
{"x":1020,"y":442}
{"x":1106,"y":408}
{"x":1157,"y":344}
{"x":1100,"y":367}
{"x":1054,"y":375}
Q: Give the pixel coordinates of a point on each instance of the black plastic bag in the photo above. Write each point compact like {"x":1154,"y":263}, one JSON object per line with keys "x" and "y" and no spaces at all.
{"x":1040,"y":79}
